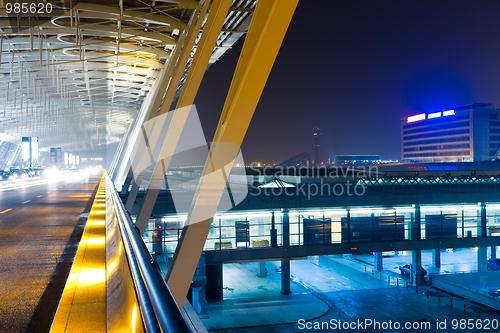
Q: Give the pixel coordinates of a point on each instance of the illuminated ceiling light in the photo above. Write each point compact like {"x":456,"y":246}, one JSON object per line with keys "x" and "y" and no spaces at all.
{"x":416,"y":118}
{"x":434,"y":115}
{"x":449,"y":113}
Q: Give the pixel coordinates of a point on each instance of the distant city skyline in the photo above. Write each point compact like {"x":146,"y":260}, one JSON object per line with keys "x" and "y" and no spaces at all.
{"x":356,"y":69}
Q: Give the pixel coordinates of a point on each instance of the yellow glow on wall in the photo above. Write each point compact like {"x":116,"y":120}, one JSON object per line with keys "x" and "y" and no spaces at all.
{"x":110,"y":234}
{"x":112,"y":267}
{"x":134,"y":318}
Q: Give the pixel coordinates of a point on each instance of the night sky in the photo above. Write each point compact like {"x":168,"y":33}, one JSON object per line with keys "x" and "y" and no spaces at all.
{"x":355,"y":68}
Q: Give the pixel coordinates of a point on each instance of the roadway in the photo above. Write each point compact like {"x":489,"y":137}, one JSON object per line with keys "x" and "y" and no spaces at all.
{"x":41,"y":222}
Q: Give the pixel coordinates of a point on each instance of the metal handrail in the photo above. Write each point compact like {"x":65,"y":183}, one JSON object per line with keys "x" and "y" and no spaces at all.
{"x":159,"y":310}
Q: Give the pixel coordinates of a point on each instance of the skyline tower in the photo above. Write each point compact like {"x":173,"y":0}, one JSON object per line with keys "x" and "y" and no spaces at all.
{"x":316,"y":143}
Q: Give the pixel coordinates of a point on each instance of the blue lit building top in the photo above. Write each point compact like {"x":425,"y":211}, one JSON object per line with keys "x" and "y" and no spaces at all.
{"x":461,"y":134}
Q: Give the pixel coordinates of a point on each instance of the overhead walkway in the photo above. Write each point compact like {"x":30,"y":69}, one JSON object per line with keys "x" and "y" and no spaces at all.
{"x":288,"y":234}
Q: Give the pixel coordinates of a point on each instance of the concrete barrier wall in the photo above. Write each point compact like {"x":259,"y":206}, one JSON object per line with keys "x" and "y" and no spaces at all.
{"x":123,"y":311}
{"x":468,"y":285}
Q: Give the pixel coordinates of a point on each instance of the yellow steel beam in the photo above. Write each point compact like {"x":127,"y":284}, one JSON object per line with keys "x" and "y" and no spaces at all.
{"x":265,"y":35}
{"x":181,"y":64}
{"x":211,"y":30}
{"x":143,"y":143}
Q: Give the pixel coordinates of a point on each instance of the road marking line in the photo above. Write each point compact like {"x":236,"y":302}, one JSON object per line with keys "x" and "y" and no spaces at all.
{"x":5,"y":211}
{"x":26,"y":201}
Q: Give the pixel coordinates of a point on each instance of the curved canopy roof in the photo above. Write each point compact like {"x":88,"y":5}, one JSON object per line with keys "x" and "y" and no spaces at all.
{"x":76,"y":73}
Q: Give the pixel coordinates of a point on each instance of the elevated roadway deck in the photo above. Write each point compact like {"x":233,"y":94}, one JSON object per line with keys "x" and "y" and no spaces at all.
{"x":41,"y":222}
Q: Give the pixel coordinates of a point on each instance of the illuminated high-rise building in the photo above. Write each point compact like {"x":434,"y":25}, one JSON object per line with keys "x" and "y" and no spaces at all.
{"x":469,"y":133}
{"x":316,"y":142}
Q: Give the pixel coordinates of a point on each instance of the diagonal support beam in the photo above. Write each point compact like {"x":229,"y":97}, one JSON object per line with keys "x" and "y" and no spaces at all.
{"x":165,"y":106}
{"x":140,"y":142}
{"x":211,"y":30}
{"x":127,"y":147}
{"x":267,"y":30}
{"x":181,"y":55}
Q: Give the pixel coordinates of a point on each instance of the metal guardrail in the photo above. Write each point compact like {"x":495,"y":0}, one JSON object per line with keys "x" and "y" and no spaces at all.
{"x":159,"y":310}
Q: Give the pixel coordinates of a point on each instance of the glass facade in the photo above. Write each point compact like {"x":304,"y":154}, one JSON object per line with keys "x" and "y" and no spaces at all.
{"x":442,"y":140}
{"x":439,"y":133}
{"x":444,"y":153}
{"x":437,"y":127}
{"x":252,"y":229}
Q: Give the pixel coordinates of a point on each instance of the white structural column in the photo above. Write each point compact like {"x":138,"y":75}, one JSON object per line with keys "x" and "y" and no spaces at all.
{"x":127,"y":148}
{"x":211,"y":30}
{"x":151,"y":137}
{"x":181,"y":53}
{"x":135,"y":158}
{"x":265,"y":35}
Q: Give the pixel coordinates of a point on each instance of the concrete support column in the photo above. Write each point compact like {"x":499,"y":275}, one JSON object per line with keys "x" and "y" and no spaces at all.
{"x":347,"y":228}
{"x":261,"y":269}
{"x":196,"y":300}
{"x":214,"y":282}
{"x":481,"y":228}
{"x":378,"y":262}
{"x":285,"y":276}
{"x":482,"y":267}
{"x":493,"y":251}
{"x":416,"y":267}
{"x":415,"y":228}
{"x":482,"y":259}
{"x":286,"y":227}
{"x":273,"y":232}
{"x":436,"y":257}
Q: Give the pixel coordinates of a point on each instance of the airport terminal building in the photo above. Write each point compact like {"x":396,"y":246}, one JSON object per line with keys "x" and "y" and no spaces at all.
{"x":469,"y":133}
